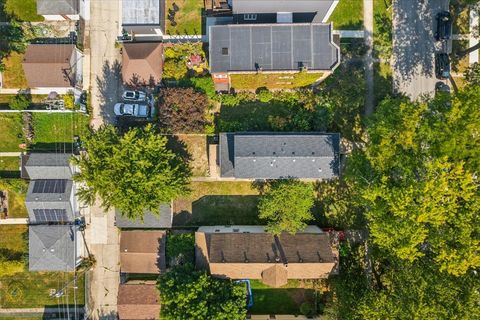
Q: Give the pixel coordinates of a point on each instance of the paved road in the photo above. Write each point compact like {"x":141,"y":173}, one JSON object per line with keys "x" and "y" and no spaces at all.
{"x":414,"y":46}
{"x":105,"y":60}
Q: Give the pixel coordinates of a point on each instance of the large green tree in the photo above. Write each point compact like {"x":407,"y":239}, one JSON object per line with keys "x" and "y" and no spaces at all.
{"x":131,"y":172}
{"x":417,"y":178}
{"x":189,"y":294}
{"x":286,"y":206}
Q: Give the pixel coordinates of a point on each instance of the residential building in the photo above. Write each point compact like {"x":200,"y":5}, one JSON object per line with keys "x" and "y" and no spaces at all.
{"x":138,"y":302}
{"x":274,"y":155}
{"x":158,"y":220}
{"x":271,"y":48}
{"x":143,"y":19}
{"x":249,"y":252}
{"x":142,"y":252}
{"x":142,"y":63}
{"x":64,"y":9}
{"x":53,"y":67}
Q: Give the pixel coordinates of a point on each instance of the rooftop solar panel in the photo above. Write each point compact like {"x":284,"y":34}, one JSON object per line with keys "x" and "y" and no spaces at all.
{"x":50,"y":215}
{"x":50,"y":186}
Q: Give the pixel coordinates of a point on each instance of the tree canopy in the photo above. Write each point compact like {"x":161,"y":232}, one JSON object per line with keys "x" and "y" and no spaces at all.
{"x":417,"y":178}
{"x":286,"y":206}
{"x":131,"y":172}
{"x":189,"y":294}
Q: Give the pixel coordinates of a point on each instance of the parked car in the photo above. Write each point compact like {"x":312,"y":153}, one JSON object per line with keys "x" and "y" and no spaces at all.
{"x":444,"y":26}
{"x":131,"y":95}
{"x":442,"y":66}
{"x":133,"y":110}
{"x":442,"y":87}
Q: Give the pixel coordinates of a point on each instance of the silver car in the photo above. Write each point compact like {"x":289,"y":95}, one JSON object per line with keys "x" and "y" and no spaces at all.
{"x":132,"y":110}
{"x":131,"y":95}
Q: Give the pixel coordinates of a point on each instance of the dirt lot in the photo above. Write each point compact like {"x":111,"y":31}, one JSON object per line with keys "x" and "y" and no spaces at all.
{"x":194,"y":147}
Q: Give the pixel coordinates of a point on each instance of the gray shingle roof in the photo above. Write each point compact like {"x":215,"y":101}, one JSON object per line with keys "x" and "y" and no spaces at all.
{"x":53,"y":7}
{"x":52,"y":248}
{"x":274,"y":47}
{"x":279,"y":155}
{"x":140,"y":12}
{"x":271,"y":6}
{"x":161,"y":220}
{"x":47,"y":166}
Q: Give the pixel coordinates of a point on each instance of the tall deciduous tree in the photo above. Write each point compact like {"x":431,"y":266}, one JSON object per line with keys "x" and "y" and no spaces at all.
{"x":132,"y":172}
{"x":189,"y":294}
{"x":286,"y":206}
{"x":418,"y":180}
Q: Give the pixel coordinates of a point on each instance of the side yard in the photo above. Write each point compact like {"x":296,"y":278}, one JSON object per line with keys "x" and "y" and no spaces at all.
{"x":348,"y":15}
{"x":11,"y":133}
{"x":274,"y":80}
{"x":196,"y":148}
{"x":13,"y":75}
{"x":31,"y":289}
{"x":184,"y":17}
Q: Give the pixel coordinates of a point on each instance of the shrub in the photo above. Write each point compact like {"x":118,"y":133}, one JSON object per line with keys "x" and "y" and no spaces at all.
{"x":69,"y":101}
{"x":307,"y":309}
{"x":174,"y":69}
{"x":28,"y":129}
{"x":19,"y":102}
{"x":180,"y":248}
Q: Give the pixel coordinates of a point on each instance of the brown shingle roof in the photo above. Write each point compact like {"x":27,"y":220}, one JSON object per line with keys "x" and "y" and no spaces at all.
{"x":142,"y":61}
{"x":275,"y":276}
{"x":138,"y":301}
{"x":142,"y":251}
{"x":49,"y":65}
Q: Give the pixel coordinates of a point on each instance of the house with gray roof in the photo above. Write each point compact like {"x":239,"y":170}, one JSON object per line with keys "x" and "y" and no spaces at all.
{"x":143,"y":19}
{"x":273,"y":155}
{"x":162,"y":219}
{"x":58,"y":10}
{"x":54,"y":247}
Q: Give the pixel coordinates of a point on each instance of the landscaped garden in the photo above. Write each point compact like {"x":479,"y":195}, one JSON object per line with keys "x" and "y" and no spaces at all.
{"x":274,"y":80}
{"x":13,"y":75}
{"x":348,"y":15}
{"x":184,"y":17}
{"x":31,"y":289}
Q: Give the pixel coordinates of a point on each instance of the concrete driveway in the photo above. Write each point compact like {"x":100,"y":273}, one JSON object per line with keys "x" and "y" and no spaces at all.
{"x":414,"y":46}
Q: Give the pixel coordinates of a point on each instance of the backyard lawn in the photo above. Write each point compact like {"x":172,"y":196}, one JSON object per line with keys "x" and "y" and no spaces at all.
{"x":24,"y":10}
{"x":55,"y":131}
{"x":273,"y":80}
{"x":348,"y":15}
{"x":32,"y":289}
{"x":217,"y":203}
{"x":13,"y":76}
{"x":196,"y":147}
{"x":188,"y":19}
{"x":11,"y":132}
{"x":284,"y":300}
{"x":9,"y":167}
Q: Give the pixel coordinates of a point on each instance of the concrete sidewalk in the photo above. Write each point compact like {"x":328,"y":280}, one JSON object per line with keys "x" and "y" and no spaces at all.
{"x":368,"y":24}
{"x":474,"y":25}
{"x":10,"y":221}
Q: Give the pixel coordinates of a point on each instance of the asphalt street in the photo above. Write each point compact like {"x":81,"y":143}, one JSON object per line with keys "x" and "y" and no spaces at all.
{"x":414,"y":46}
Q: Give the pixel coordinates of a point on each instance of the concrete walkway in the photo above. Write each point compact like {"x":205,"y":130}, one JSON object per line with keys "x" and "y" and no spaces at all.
{"x":10,"y":154}
{"x":10,"y":221}
{"x":35,"y":91}
{"x":474,"y":25}
{"x":350,"y":33}
{"x":43,"y":111}
{"x":368,"y":25}
{"x":35,"y":311}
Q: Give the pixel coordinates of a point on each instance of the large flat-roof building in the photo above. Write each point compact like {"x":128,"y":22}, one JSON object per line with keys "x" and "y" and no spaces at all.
{"x":144,"y":19}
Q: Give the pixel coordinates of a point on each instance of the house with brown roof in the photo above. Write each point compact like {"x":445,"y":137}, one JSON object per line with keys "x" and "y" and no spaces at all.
{"x":142,"y":252}
{"x":53,"y":67}
{"x":142,"y":63}
{"x":249,"y":252}
{"x":138,"y":301}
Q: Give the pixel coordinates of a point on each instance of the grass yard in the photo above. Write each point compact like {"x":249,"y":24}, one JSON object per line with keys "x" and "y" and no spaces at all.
{"x":196,"y":147}
{"x":382,"y":81}
{"x":273,"y":80}
{"x":55,"y":131}
{"x":380,"y":7}
{"x":24,"y":10}
{"x":31,"y":289}
{"x":188,"y":18}
{"x":459,"y":66}
{"x":9,"y":167}
{"x":217,"y":202}
{"x":460,"y":13}
{"x":14,"y":76}
{"x":11,"y":132}
{"x":348,"y":15}
{"x":284,"y":300}
{"x":17,"y":189}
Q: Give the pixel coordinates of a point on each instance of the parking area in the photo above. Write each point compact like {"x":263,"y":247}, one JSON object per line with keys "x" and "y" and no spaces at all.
{"x":414,"y":46}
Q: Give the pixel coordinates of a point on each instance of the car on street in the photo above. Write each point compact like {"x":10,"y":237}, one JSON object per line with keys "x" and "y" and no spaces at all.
{"x":442,"y":87}
{"x":131,"y":95}
{"x":444,"y":26}
{"x":133,"y":110}
{"x":442,"y":66}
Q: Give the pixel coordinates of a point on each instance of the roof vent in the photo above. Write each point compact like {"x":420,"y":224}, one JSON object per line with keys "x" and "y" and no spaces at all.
{"x":293,"y":152}
{"x":277,"y":259}
{"x":313,"y":160}
{"x":217,"y":230}
{"x":236,"y":230}
{"x":293,"y":160}
{"x":225,"y":51}
{"x":319,"y":170}
{"x":313,"y":153}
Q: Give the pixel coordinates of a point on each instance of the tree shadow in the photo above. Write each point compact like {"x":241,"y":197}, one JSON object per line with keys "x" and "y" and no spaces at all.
{"x":179,"y":147}
{"x":108,"y":86}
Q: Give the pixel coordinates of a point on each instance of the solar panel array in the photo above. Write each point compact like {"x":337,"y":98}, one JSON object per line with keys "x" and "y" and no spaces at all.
{"x":50,"y":215}
{"x":50,"y":186}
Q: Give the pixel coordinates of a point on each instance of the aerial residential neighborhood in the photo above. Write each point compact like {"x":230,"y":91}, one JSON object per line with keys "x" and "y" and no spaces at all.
{"x":239,"y":159}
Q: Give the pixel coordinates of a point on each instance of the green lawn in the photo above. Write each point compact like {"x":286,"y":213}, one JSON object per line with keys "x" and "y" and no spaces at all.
{"x":460,"y":13}
{"x":219,"y":202}
{"x":24,"y":10}
{"x":382,"y":81}
{"x":188,"y":18}
{"x":9,"y":167}
{"x":31,"y":289}
{"x":348,"y":15}
{"x":11,"y":132}
{"x":284,"y":300}
{"x":14,"y":76}
{"x":273,"y":80}
{"x":55,"y":131}
{"x":380,"y":8}
{"x":17,"y":189}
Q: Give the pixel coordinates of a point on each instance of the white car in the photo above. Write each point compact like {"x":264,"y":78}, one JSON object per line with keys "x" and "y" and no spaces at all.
{"x":134,"y":95}
{"x":135,"y":110}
